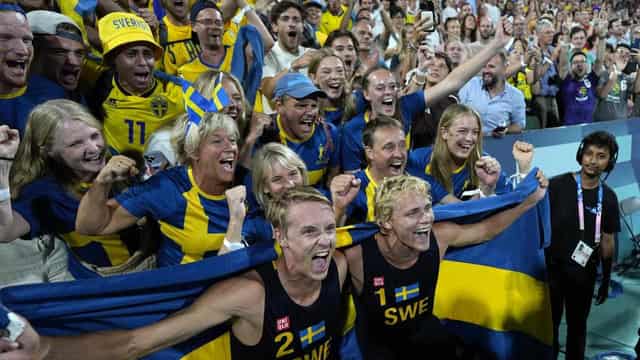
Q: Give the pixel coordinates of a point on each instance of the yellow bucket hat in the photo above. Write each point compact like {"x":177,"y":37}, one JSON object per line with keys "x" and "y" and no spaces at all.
{"x":120,"y":28}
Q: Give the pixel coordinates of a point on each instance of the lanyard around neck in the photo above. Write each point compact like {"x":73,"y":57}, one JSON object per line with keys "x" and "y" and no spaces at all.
{"x":597,"y":234}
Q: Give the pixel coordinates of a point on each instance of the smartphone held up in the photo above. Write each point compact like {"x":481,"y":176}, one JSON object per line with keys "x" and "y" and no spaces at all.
{"x":428,"y":11}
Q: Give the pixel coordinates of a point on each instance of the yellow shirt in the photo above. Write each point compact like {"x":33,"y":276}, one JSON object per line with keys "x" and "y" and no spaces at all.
{"x":321,"y":37}
{"x":330,"y":22}
{"x":521,"y":84}
{"x":129,"y":120}
{"x":177,"y":45}
{"x":196,"y":67}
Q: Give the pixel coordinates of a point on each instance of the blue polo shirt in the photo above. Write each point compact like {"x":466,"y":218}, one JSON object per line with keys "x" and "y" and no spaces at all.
{"x":508,"y":105}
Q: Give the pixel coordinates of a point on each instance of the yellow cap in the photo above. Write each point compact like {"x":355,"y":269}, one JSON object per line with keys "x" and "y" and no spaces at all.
{"x":120,"y":28}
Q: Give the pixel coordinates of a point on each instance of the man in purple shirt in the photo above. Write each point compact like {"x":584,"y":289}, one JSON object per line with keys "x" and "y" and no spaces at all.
{"x":578,"y":92}
{"x":578,"y":88}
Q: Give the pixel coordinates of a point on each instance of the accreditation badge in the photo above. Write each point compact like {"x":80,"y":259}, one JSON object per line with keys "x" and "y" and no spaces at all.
{"x":582,"y":253}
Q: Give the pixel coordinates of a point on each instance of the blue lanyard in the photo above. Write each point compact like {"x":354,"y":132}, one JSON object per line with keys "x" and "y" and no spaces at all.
{"x":597,"y":234}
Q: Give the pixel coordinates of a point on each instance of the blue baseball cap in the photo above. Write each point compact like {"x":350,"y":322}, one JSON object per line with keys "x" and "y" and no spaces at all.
{"x":297,"y":86}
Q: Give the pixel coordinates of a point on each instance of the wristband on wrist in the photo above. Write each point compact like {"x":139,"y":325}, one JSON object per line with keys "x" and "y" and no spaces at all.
{"x":233,"y":246}
{"x":5,"y":194}
{"x":15,"y":328}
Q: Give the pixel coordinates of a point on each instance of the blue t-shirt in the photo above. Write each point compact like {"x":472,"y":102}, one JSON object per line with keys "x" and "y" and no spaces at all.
{"x":352,"y":149}
{"x":41,"y":89}
{"x":361,"y":209}
{"x":334,"y":115}
{"x":15,"y":109}
{"x":50,"y":209}
{"x":420,"y":165}
{"x":193,"y":224}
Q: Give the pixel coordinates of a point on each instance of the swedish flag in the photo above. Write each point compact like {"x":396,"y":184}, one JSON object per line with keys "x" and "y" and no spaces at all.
{"x":520,"y":331}
{"x":196,"y":104}
{"x":408,"y":292}
{"x":312,"y":334}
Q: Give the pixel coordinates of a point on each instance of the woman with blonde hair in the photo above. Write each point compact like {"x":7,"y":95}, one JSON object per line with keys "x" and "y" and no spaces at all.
{"x":188,"y":201}
{"x":238,"y":109}
{"x":457,"y":163}
{"x":275,"y":168}
{"x":61,"y":154}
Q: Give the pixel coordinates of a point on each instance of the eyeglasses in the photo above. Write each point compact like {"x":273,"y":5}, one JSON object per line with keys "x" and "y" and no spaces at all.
{"x":210,"y":22}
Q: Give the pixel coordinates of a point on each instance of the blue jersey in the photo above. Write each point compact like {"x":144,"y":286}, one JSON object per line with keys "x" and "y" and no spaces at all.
{"x":361,"y":208}
{"x":41,"y":89}
{"x":257,"y":228}
{"x":319,"y":151}
{"x":15,"y":109}
{"x":334,"y":115}
{"x":352,"y":149}
{"x":50,"y":209}
{"x":420,"y":165}
{"x":192,"y":223}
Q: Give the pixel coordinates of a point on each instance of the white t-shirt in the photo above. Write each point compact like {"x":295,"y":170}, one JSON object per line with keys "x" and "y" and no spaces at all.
{"x":276,"y":61}
{"x":279,"y":59}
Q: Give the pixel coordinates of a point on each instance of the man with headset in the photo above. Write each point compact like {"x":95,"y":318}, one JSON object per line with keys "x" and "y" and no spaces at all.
{"x":584,"y":219}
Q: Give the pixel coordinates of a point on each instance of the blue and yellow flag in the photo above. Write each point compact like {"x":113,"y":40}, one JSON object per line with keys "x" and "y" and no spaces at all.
{"x":408,"y":292}
{"x":134,"y":300}
{"x":195,"y":103}
{"x":493,"y":294}
{"x":312,"y":334}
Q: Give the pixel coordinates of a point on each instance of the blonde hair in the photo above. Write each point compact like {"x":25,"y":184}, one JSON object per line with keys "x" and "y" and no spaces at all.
{"x":278,"y":208}
{"x":441,"y":159}
{"x":33,"y":159}
{"x":206,"y":83}
{"x":263,"y":161}
{"x":388,"y":192}
{"x":187,"y":136}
